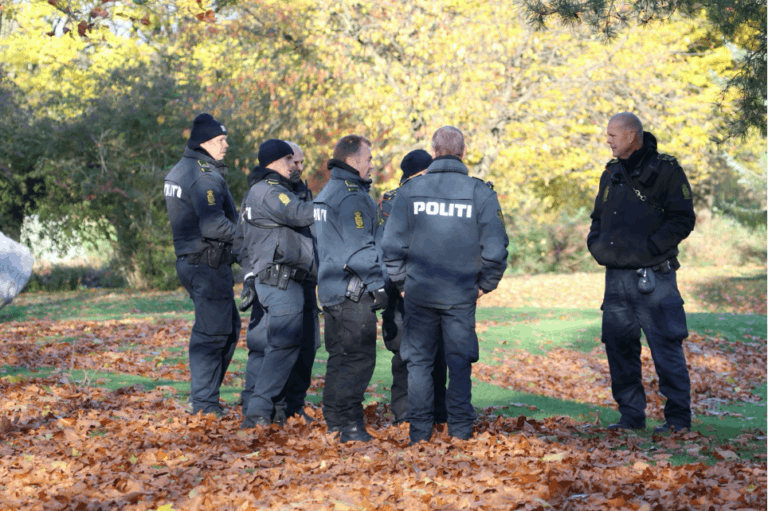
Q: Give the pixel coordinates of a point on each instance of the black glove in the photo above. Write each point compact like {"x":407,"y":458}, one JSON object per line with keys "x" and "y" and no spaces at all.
{"x":248,"y":295}
{"x":303,"y":192}
{"x":380,"y":299}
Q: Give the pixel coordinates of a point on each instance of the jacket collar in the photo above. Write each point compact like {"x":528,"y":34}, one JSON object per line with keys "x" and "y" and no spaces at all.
{"x":448,"y":164}
{"x":218,"y":165}
{"x":638,"y":158}
{"x":261,"y":173}
{"x":340,"y":170}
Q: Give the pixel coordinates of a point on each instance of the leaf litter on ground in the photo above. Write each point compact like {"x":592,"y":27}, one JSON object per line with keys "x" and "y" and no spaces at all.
{"x":64,"y":447}
{"x":719,"y":370}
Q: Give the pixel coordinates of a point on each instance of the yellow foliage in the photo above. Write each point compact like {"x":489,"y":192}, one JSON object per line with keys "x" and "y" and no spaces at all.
{"x":533,"y":105}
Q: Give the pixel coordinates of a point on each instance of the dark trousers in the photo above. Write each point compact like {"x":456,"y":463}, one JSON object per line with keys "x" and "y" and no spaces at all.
{"x":350,"y":338}
{"x":216,"y":330}
{"x":275,"y":336}
{"x":292,"y":398}
{"x":392,"y":331}
{"x":661,"y":317}
{"x":420,"y":348}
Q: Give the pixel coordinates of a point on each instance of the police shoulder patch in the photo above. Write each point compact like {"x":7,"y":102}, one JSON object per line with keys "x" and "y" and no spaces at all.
{"x":605,"y":195}
{"x":272,"y":182}
{"x":284,"y":199}
{"x":668,"y":157}
{"x":359,"y":220}
{"x":204,"y":166}
{"x":351,"y":185}
{"x":501,"y":217}
{"x":211,"y":198}
{"x":686,"y":192}
{"x":389,"y":195}
{"x":489,"y":184}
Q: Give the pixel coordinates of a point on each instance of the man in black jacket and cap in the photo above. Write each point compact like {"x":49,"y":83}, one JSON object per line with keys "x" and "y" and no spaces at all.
{"x":643,"y":210}
{"x":203,"y":216}
{"x":281,"y":269}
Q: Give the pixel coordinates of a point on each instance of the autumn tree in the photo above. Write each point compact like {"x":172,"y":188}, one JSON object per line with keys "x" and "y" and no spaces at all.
{"x":103,"y":94}
{"x":740,"y":23}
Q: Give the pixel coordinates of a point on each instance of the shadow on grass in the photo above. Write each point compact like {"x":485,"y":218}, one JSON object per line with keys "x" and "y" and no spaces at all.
{"x":94,"y":305}
{"x":742,"y":294}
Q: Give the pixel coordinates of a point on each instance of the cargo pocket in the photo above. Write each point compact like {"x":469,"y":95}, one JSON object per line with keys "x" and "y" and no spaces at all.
{"x":673,"y":315}
{"x":619,"y":324}
{"x":213,"y":316}
{"x":284,"y":326}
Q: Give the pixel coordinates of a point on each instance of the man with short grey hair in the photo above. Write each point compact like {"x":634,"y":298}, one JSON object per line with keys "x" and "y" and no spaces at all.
{"x":643,"y":210}
{"x":445,"y":245}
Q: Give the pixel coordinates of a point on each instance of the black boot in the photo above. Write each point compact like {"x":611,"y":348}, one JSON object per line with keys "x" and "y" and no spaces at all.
{"x":251,"y":421}
{"x":355,"y":432}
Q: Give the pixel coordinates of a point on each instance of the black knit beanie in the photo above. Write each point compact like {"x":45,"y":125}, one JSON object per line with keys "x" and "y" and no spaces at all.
{"x":413,"y":163}
{"x":272,"y":150}
{"x":204,"y":128}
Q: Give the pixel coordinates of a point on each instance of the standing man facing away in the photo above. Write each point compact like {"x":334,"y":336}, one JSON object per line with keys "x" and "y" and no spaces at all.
{"x":643,"y":210}
{"x":351,"y":284}
{"x":413,"y":164}
{"x":445,"y":245}
{"x":203,"y":216}
{"x":281,"y":268}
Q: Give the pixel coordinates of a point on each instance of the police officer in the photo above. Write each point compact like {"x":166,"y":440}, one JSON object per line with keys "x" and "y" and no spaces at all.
{"x":292,"y":400}
{"x":444,"y":245}
{"x":203,"y":215}
{"x":282,"y":270}
{"x":413,"y":164}
{"x":350,"y":285}
{"x":643,"y":210}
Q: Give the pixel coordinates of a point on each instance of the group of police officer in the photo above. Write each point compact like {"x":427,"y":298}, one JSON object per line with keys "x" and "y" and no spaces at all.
{"x":424,"y":257}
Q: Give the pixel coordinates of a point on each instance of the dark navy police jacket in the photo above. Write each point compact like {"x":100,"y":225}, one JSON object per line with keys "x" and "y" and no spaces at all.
{"x":628,"y":233}
{"x":276,"y":226}
{"x":349,"y":226}
{"x":445,"y":236}
{"x":200,"y":207}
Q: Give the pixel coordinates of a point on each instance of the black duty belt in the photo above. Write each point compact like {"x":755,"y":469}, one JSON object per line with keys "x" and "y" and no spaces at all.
{"x":278,"y":275}
{"x":666,"y":266}
{"x":214,"y":256}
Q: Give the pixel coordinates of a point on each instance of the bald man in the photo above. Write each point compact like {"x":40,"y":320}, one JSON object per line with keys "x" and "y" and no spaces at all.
{"x":643,"y":210}
{"x":445,"y":245}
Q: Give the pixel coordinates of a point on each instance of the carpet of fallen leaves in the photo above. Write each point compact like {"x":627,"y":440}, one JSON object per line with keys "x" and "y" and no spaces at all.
{"x":153,"y":348}
{"x":703,"y":289}
{"x":63,"y":447}
{"x":85,"y":448}
{"x":720,"y":371}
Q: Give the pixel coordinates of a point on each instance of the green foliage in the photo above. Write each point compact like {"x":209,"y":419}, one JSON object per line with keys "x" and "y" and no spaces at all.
{"x":109,"y":166}
{"x":558,"y":246}
{"x":72,"y":278}
{"x":21,"y":143}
